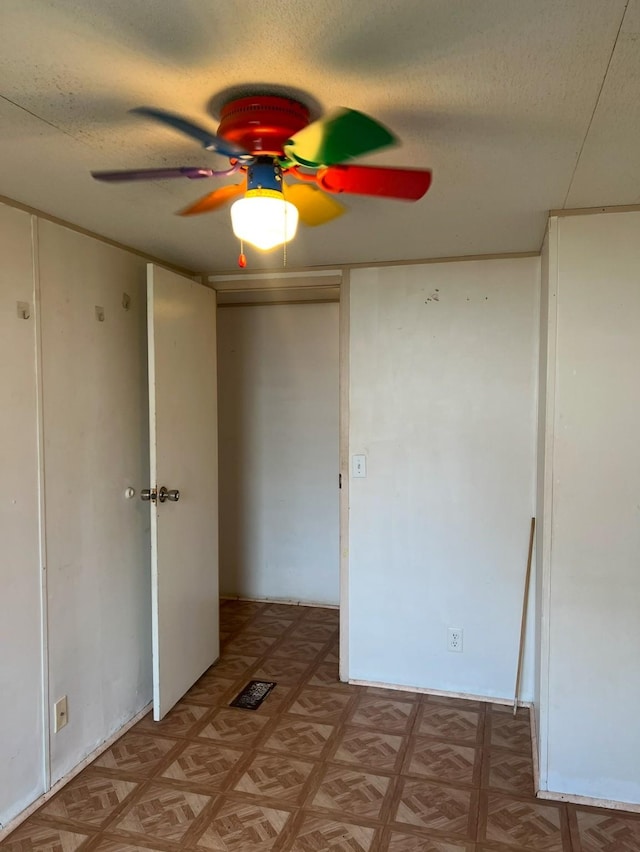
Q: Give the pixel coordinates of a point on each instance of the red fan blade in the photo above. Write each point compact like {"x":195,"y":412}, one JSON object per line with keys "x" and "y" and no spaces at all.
{"x":406,"y":184}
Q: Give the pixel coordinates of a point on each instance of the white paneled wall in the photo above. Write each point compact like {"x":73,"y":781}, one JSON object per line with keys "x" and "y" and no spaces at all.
{"x":94,"y":619}
{"x":95,"y":423}
{"x":443,"y":368}
{"x":590,"y":559}
{"x":278,"y":386}
{"x":21,"y":741}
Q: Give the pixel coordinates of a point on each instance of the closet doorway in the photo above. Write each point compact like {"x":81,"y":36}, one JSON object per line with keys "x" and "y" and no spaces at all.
{"x":279,"y":444}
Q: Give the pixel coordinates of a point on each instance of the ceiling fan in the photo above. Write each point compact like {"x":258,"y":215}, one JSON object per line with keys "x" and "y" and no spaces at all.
{"x":266,"y":137}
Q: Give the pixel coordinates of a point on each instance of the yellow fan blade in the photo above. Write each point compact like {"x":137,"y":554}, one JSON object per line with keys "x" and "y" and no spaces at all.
{"x":314,"y":206}
{"x":214,"y":200}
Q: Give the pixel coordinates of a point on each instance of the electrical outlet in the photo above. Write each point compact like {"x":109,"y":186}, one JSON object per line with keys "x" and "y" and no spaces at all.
{"x":61,"y":714}
{"x":454,"y":639}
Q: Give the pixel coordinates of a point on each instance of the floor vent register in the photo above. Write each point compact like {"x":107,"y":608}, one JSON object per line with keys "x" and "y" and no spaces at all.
{"x":253,"y":694}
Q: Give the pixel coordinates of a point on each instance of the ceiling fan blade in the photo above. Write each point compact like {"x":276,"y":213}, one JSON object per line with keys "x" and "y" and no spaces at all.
{"x":404,"y":184}
{"x":209,"y":140}
{"x":213,"y":200}
{"x":343,"y":134}
{"x":314,"y":207}
{"x":192,"y":172}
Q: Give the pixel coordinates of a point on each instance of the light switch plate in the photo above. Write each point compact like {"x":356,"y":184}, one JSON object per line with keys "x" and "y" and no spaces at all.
{"x":359,"y":466}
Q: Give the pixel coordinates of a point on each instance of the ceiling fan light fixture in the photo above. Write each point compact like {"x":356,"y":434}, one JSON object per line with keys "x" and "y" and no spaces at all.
{"x":269,"y":135}
{"x":264,"y":218}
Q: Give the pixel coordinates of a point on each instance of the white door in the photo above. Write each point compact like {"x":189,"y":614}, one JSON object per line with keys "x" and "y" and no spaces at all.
{"x":183,"y":456}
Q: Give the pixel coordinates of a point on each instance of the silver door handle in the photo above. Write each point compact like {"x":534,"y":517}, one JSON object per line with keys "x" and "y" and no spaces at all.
{"x":149,"y":495}
{"x":172,"y":495}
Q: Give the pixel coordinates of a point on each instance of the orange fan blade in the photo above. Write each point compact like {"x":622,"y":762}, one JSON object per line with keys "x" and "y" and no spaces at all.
{"x":314,"y":206}
{"x":213,"y":200}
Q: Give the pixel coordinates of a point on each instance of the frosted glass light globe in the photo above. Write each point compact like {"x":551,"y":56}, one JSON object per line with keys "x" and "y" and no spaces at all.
{"x":265,"y":222}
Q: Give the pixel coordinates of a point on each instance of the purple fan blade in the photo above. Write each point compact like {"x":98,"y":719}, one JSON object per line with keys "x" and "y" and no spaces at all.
{"x":192,"y":172}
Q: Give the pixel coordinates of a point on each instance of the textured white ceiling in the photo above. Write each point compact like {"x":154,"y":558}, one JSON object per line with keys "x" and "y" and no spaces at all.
{"x":518,"y":106}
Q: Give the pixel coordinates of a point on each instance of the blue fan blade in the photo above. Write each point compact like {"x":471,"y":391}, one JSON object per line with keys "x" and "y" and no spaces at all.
{"x":210,"y":141}
{"x":154,"y":174}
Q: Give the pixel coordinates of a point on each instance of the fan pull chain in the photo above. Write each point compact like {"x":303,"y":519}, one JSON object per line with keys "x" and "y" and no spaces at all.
{"x":284,"y":244}
{"x":242,"y":258}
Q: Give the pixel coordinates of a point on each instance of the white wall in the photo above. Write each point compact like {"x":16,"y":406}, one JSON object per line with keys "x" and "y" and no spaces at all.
{"x":21,"y":745}
{"x":443,"y":370}
{"x":278,"y":447}
{"x":93,"y":611}
{"x":591,"y":730}
{"x":95,"y":428}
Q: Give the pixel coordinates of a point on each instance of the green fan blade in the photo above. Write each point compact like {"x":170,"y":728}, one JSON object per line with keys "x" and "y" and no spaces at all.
{"x":340,"y":136}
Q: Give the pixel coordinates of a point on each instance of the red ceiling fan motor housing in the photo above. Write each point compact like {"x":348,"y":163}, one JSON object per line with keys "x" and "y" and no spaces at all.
{"x":262,"y":124}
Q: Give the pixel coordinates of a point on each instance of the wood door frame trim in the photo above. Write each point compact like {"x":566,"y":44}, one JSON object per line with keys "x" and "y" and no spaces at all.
{"x":275,"y":304}
{"x":594,"y":211}
{"x":310,"y":271}
{"x":344,"y":390}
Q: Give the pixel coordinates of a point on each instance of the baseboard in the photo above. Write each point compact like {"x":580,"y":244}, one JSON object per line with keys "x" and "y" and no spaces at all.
{"x":285,"y":601}
{"x":588,"y":801}
{"x":468,"y":696}
{"x":26,"y":813}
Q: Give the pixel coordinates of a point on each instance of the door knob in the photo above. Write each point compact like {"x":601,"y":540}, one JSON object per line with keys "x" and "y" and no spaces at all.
{"x":172,"y":495}
{"x":149,"y":495}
